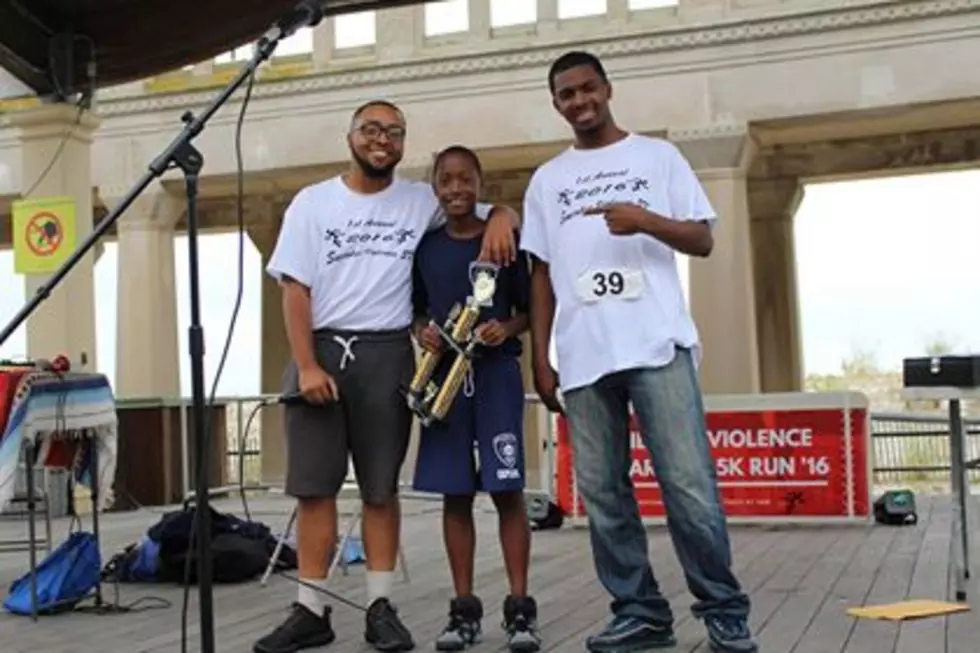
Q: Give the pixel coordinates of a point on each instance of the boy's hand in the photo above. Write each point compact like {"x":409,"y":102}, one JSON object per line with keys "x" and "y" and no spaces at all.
{"x":430,"y":339}
{"x":491,"y":333}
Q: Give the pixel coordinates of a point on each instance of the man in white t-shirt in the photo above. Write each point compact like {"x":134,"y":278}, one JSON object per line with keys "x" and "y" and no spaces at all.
{"x":602,"y":221}
{"x":344,"y":258}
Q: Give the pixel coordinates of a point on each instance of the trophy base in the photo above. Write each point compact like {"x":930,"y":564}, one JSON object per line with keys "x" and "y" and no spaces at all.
{"x":424,"y":418}
{"x":419,"y":407}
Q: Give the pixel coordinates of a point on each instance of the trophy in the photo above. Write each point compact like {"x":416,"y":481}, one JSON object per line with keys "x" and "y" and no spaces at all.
{"x":430,"y":402}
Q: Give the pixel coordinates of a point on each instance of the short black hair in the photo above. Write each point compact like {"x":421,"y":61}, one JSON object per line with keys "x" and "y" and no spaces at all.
{"x":574,"y":59}
{"x":462,"y":151}
{"x":377,"y":103}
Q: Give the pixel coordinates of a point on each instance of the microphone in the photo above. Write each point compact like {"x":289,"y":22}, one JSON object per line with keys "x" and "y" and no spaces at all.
{"x":307,"y":13}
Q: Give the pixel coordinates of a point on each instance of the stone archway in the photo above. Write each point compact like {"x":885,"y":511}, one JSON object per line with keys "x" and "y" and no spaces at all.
{"x":859,"y":144}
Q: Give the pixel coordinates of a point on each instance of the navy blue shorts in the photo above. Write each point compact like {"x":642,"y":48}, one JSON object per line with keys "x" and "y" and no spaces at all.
{"x":480,"y":446}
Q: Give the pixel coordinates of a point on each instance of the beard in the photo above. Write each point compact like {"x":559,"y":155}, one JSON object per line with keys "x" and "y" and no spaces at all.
{"x":370,"y":170}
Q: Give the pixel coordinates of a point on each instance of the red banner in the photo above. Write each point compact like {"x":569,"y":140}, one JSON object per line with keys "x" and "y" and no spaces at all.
{"x":9,"y":378}
{"x":770,"y":463}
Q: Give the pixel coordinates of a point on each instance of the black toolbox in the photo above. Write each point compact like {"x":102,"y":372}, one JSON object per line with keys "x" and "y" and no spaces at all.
{"x":944,"y":371}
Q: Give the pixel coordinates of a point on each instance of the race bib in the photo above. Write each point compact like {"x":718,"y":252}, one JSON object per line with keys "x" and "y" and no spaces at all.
{"x":611,"y":283}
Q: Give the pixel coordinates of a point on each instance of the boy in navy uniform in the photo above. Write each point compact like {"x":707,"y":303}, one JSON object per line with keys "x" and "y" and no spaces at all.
{"x":487,"y":415}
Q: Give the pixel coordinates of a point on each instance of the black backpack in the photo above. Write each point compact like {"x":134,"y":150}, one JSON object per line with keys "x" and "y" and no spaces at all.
{"x":240,"y":550}
{"x":896,"y":508}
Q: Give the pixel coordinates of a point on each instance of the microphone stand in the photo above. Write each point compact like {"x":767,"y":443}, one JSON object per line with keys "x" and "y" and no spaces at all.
{"x":182,"y":154}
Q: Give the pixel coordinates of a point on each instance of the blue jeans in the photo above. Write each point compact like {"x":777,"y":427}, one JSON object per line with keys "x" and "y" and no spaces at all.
{"x":668,"y":405}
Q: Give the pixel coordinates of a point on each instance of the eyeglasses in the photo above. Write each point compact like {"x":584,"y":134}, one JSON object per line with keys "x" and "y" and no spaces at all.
{"x":374,"y":131}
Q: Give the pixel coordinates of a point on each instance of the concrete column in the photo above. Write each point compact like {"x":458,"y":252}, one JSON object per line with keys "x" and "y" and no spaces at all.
{"x":323,"y":43}
{"x":773,"y":204}
{"x":479,"y":15}
{"x":275,"y":353}
{"x":618,"y":10}
{"x":547,"y":17}
{"x":147,"y":344}
{"x":400,"y":33}
{"x":722,"y":286}
{"x":703,"y":11}
{"x":59,"y":136}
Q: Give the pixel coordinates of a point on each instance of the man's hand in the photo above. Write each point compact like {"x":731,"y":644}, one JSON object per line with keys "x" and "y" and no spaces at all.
{"x":429,"y":338}
{"x":499,"y":244}
{"x":316,"y":386}
{"x":690,"y":237}
{"x":492,"y":333}
{"x":623,"y":219}
{"x":546,"y":385}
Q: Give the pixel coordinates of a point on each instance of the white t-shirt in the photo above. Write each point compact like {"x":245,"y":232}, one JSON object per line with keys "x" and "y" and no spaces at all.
{"x":354,"y":251}
{"x":620,"y":300}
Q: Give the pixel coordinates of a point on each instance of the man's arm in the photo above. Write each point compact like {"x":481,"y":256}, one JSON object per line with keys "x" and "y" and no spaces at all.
{"x":298,"y":316}
{"x":542,"y":317}
{"x":542,"y":313}
{"x":538,"y":293}
{"x":503,"y":211}
{"x":689,"y":220}
{"x":501,"y":236}
{"x":687,"y":237}
{"x":690,"y":237}
{"x":689,"y":227}
{"x":534,"y":241}
{"x":293,"y":265}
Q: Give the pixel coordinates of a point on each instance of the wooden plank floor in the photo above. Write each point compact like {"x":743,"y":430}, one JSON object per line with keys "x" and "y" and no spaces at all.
{"x":801,"y":580}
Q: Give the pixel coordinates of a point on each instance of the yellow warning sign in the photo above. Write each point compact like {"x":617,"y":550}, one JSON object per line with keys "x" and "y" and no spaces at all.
{"x":43,"y":233}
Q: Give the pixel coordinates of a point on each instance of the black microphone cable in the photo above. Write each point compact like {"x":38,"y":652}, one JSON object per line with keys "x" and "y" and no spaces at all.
{"x":289,"y":398}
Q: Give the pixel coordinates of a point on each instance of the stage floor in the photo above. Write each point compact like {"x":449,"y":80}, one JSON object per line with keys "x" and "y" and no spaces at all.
{"x":801,"y":580}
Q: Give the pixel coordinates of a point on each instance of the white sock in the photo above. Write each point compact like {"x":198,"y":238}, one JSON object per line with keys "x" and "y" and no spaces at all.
{"x":311,"y":598}
{"x":379,"y":584}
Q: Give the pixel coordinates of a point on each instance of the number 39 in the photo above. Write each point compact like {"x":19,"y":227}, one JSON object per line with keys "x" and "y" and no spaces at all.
{"x":607,"y":283}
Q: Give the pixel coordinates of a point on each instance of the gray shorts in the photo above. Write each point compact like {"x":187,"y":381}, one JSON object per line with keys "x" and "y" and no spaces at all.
{"x":371,"y":422}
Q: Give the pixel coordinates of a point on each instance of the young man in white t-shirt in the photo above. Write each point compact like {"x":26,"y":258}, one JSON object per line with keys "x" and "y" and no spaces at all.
{"x":344,"y":258}
{"x":602,"y":221}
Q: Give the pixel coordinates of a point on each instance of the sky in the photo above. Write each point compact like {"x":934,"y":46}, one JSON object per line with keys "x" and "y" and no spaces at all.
{"x":884,"y":266}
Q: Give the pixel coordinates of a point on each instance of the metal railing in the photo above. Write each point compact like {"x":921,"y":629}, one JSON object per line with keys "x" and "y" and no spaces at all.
{"x":907,"y":449}
{"x":239,"y":410}
{"x":914,"y":449}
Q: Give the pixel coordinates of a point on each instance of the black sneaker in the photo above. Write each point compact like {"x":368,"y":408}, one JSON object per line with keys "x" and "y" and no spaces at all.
{"x":625,"y":634}
{"x":730,"y":634}
{"x":384,"y":630}
{"x":464,"y":629}
{"x":302,"y":629}
{"x":521,"y":624}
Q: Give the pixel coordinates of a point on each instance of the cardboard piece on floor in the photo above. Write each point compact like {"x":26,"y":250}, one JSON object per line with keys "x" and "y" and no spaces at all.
{"x":908,"y":610}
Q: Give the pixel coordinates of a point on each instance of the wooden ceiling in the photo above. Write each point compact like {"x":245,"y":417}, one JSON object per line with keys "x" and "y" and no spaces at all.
{"x":135,"y":39}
